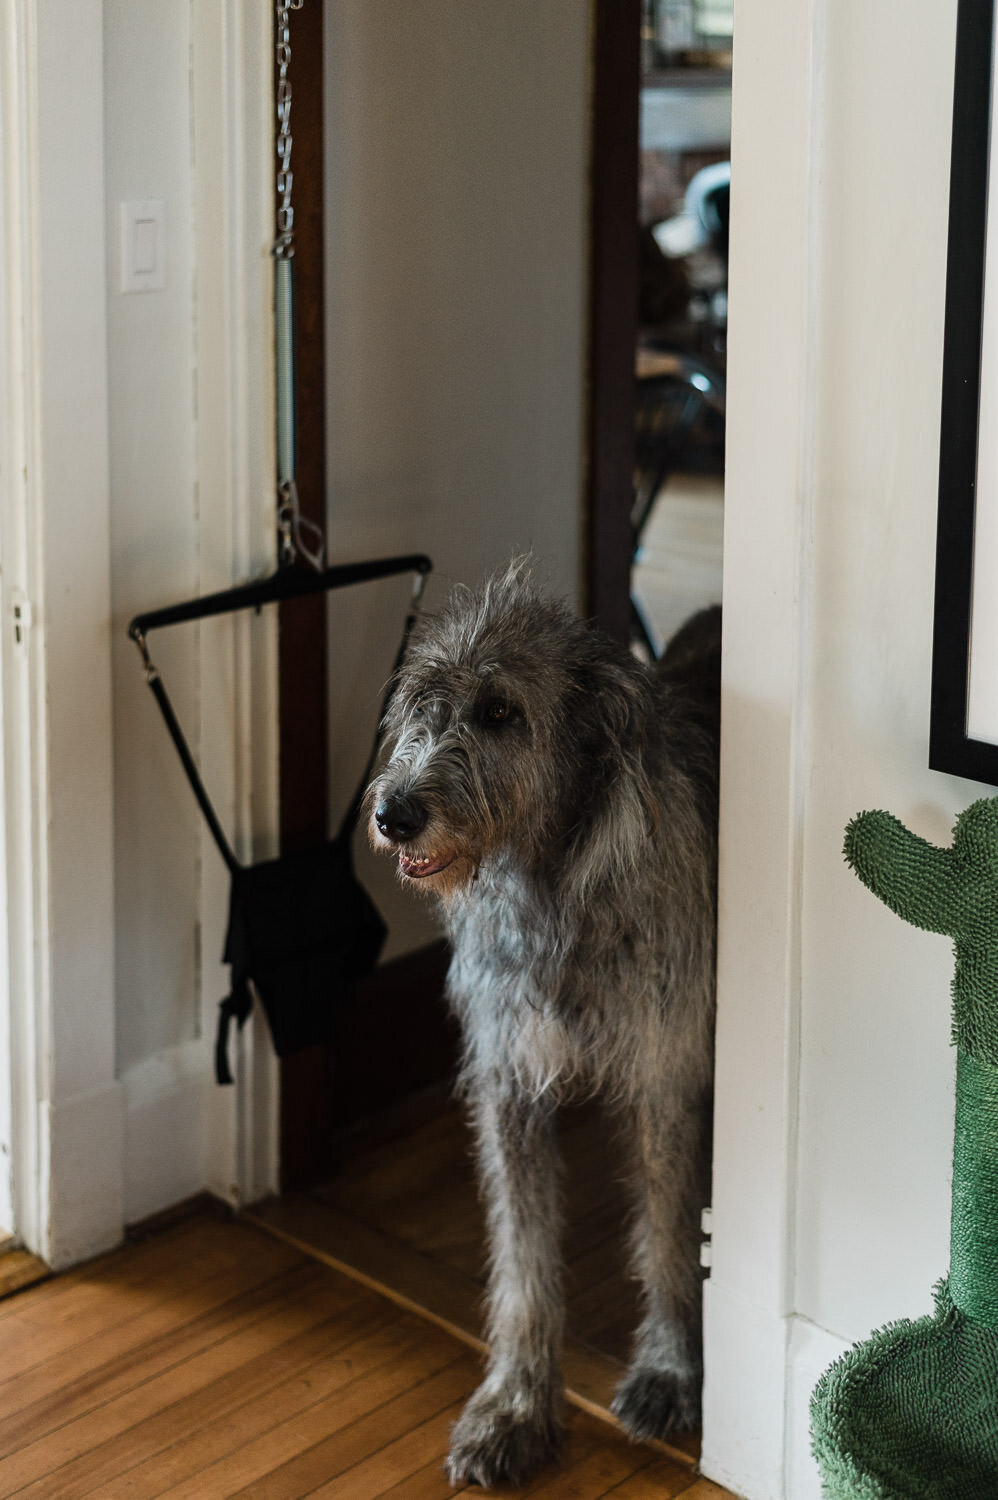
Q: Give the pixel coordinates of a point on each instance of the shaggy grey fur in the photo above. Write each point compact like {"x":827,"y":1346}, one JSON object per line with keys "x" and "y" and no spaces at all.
{"x":559,"y":799}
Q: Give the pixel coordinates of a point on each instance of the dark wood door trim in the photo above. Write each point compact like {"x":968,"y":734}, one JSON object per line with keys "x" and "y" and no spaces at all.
{"x":303,"y":732}
{"x":303,"y":728}
{"x":613,"y":308}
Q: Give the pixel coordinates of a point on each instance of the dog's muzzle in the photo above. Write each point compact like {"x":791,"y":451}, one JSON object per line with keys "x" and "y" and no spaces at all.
{"x":400,"y":819}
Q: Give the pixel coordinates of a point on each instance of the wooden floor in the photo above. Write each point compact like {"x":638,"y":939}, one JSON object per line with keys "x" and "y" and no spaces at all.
{"x":324,"y":1343}
{"x":213,"y":1359}
{"x":420,"y":1188}
{"x":403,"y":1216}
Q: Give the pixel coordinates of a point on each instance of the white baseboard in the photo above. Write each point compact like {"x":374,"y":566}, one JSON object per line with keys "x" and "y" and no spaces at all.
{"x":165,"y":1124}
{"x":812,"y":1350}
{"x":81,"y":1143}
{"x":745,"y":1349}
{"x":760,"y":1373}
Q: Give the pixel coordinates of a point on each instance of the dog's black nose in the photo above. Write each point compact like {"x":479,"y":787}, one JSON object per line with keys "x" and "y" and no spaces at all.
{"x":400,"y":818}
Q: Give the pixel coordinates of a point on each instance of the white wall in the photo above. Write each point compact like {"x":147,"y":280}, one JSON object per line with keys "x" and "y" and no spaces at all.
{"x":187,"y":121}
{"x":835,"y":1112}
{"x":876,"y":1067}
{"x":456,"y":147}
{"x":137,"y":469}
{"x":155,"y":527}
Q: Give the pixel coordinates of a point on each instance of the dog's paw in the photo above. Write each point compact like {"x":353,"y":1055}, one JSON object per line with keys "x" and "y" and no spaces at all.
{"x":496,"y":1441}
{"x":651,"y":1403}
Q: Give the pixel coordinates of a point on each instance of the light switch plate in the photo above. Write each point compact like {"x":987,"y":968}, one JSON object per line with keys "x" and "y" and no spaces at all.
{"x":143,"y":245}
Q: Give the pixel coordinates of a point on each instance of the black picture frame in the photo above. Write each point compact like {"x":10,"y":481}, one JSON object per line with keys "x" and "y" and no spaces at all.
{"x":951,"y":748}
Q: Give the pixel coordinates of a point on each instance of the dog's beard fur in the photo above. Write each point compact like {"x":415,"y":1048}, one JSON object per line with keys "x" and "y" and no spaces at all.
{"x":559,"y":798}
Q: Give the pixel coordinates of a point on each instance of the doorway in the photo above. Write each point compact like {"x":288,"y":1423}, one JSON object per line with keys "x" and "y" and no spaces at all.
{"x":398,"y":1042}
{"x":639,"y":58}
{"x":681,"y":346}
{"x":393,"y":1058}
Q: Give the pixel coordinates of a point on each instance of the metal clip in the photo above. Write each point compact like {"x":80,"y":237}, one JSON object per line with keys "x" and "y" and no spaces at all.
{"x":22,"y":613}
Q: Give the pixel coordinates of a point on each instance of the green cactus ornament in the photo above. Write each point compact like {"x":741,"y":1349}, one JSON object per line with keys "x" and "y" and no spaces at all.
{"x":913,"y":1411}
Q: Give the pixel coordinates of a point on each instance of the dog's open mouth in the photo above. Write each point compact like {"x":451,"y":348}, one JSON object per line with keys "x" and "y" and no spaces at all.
{"x":417,"y":867}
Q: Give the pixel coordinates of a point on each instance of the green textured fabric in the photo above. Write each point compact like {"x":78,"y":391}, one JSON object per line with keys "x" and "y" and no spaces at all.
{"x":952,"y":891}
{"x":912,"y":1413}
{"x":973,"y":1271}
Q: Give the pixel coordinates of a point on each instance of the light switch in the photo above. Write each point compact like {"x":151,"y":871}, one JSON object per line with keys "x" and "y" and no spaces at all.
{"x":143,"y":245}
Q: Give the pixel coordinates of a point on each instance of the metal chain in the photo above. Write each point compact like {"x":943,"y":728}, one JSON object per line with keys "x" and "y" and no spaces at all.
{"x":299,"y":539}
{"x":284,"y":242}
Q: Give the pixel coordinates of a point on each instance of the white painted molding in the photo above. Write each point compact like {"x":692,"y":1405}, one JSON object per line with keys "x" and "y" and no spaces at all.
{"x":87,"y":1151}
{"x":233,"y":186}
{"x":777,"y":119}
{"x":82,"y":1139}
{"x":812,"y":1350}
{"x":20,"y":1206}
{"x":744,"y":1377}
{"x":166,"y":1122}
{"x":57,"y":718}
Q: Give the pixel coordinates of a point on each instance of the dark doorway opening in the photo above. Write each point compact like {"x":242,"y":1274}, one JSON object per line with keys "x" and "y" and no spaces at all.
{"x":398,"y":1043}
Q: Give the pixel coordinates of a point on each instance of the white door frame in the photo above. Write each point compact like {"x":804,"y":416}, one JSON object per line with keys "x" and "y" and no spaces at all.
{"x":63,"y":1112}
{"x":66,"y":1114}
{"x":752,"y":1342}
{"x":232,"y":45}
{"x":17,"y":800}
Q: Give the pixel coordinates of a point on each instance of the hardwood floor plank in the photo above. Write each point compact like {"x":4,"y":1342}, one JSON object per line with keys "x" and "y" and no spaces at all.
{"x":81,"y":1305}
{"x":346,"y":1449}
{"x":106,"y":1362}
{"x":191,"y":1238}
{"x":706,"y":1489}
{"x":394,"y":1464}
{"x":416,"y":1282}
{"x":405,"y":1217}
{"x":18,"y":1269}
{"x":426,"y":1353}
{"x":594,"y":1475}
{"x":430,"y":1483}
{"x":302,"y":1383}
{"x":423,"y":1195}
{"x":179,"y":1369}
{"x":663,"y":1479}
{"x":421,"y":1284}
{"x":599,"y":1224}
{"x":296,"y":1377}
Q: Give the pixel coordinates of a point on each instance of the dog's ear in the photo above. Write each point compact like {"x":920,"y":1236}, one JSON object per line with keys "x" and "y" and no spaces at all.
{"x":614,"y":711}
{"x":614,"y":702}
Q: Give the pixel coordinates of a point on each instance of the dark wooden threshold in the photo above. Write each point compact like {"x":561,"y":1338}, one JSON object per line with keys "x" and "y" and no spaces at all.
{"x":440,"y":1294}
{"x":19,"y":1269}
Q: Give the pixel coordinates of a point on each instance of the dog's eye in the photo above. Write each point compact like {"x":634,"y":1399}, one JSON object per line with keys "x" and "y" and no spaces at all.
{"x":495,"y":711}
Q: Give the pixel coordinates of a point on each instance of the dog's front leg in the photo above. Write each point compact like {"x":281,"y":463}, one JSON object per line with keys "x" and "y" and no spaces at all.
{"x":661,"y":1390}
{"x":512,"y":1424}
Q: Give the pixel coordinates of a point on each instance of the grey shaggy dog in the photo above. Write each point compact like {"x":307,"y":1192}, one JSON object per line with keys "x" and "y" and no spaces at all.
{"x":559,"y":799}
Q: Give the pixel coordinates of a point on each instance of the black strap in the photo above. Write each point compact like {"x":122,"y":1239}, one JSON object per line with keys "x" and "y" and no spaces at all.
{"x":287,"y":583}
{"x":191,"y":770}
{"x":236,"y":1006}
{"x":153,"y":677}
